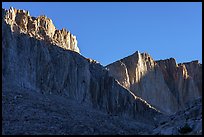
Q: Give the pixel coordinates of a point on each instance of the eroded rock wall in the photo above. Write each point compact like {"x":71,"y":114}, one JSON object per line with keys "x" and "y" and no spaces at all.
{"x":182,"y":81}
{"x":41,"y":28}
{"x":37,"y":65}
{"x":164,"y":84}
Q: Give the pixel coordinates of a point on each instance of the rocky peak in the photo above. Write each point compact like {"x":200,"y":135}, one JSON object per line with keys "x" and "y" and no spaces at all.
{"x":38,"y":91}
{"x":41,"y":28}
{"x":163,"y":83}
{"x":33,"y":64}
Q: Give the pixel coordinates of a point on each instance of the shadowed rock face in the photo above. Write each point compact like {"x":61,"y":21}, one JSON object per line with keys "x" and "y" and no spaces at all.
{"x":27,"y":112}
{"x":48,"y":89}
{"x":185,"y":122}
{"x":163,"y":83}
{"x":182,"y":81}
{"x":42,"y":67}
{"x":41,"y":28}
{"x":194,"y":69}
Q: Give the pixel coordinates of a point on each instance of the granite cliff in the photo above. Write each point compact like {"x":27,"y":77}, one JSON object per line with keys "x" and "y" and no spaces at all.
{"x":166,"y":85}
{"x":49,"y":88}
{"x":41,"y":28}
{"x":31,"y":63}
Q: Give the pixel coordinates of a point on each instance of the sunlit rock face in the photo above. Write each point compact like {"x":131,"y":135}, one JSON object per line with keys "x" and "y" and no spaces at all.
{"x":41,"y":28}
{"x":47,"y":89}
{"x":181,"y":81}
{"x":37,"y":65}
{"x":194,"y":69}
{"x":163,"y":84}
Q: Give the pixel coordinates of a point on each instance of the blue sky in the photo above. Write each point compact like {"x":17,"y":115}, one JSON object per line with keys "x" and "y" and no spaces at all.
{"x":109,"y":31}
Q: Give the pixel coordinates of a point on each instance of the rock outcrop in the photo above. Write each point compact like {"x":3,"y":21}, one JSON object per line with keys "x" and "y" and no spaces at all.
{"x":164,"y":84}
{"x":41,"y":28}
{"x":184,"y":122}
{"x":48,"y":88}
{"x":185,"y":84}
{"x":36,"y":65}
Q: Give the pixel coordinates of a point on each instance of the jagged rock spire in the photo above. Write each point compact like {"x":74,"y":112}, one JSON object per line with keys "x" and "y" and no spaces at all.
{"x":41,"y":28}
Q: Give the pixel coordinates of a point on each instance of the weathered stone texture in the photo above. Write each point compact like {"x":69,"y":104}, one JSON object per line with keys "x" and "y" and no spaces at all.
{"x":164,"y":84}
{"x":49,"y":69}
{"x":41,"y":28}
{"x":48,"y":89}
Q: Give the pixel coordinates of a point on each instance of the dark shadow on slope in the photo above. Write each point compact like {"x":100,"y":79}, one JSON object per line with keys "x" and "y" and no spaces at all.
{"x":42,"y":67}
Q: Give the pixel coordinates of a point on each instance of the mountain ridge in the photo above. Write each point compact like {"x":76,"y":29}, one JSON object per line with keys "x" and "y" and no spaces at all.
{"x":40,"y":27}
{"x":45,"y":80}
{"x":49,"y":69}
{"x":146,"y":78}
